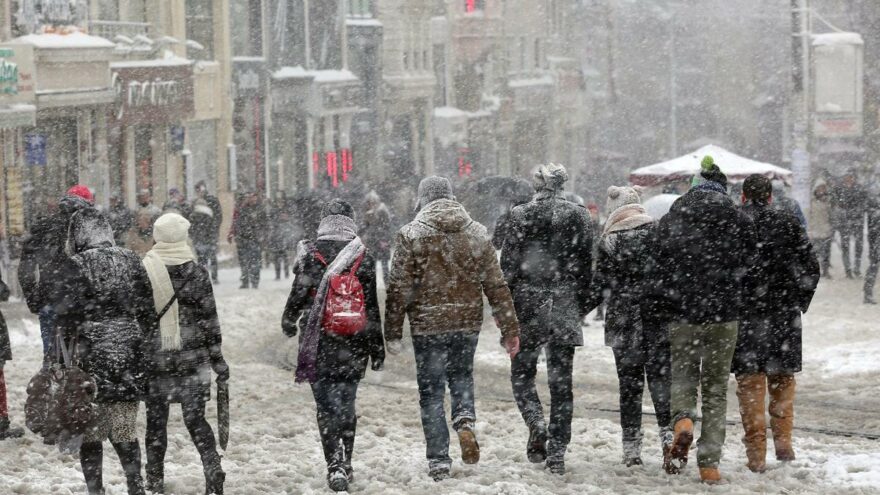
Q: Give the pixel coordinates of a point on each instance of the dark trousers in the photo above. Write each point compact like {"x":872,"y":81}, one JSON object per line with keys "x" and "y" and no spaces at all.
{"x":523,"y":369}
{"x":650,"y":360}
{"x":871,"y":275}
{"x":4,"y":405}
{"x":250,"y":257}
{"x":337,"y":421}
{"x":157,"y":434}
{"x":207,"y":254}
{"x":852,"y":230}
{"x":47,"y":334}
{"x":281,"y":260}
{"x":91,"y":459}
{"x":823,"y":252}
{"x":443,"y":359}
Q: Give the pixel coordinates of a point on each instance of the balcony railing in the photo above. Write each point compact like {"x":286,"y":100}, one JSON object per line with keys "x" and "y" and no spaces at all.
{"x":110,"y":29}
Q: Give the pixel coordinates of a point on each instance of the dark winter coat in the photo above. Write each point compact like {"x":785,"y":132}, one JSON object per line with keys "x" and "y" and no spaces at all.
{"x":177,"y":375}
{"x":340,"y":358}
{"x":250,"y":223}
{"x":849,"y":204}
{"x":281,"y":230}
{"x":205,"y":228}
{"x":108,"y":302}
{"x":502,"y":230}
{"x":42,"y":254}
{"x":619,"y":280}
{"x":704,"y":249}
{"x":781,"y":283}
{"x":121,"y":221}
{"x":547,"y":260}
{"x":874,"y":231}
{"x":376,"y":231}
{"x":443,"y":264}
{"x":5,"y":346}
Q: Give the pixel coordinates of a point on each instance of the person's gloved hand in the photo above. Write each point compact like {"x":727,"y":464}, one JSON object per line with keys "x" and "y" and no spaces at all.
{"x":511,"y":345}
{"x":393,"y":347}
{"x":289,"y":327}
{"x":222,"y":369}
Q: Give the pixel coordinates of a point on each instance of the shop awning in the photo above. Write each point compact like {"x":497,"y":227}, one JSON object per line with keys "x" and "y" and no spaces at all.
{"x":736,"y":167}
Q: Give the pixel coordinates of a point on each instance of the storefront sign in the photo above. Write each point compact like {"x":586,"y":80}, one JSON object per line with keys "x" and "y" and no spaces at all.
{"x":14,"y":202}
{"x":836,"y":125}
{"x":35,"y":149}
{"x":16,"y":74}
{"x":153,"y":94}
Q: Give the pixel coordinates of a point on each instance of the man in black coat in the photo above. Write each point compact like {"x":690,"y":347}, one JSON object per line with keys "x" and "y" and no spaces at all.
{"x":121,"y":219}
{"x":250,"y":226}
{"x":547,"y":261}
{"x":704,"y":249}
{"x":5,"y":355}
{"x":42,"y":256}
{"x":781,"y":283}
{"x":849,"y":202}
{"x":206,"y":218}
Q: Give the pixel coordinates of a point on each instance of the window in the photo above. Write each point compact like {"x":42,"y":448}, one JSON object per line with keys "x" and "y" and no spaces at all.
{"x":246,"y":32}
{"x":324,"y":35}
{"x":200,"y":29}
{"x":473,"y":5}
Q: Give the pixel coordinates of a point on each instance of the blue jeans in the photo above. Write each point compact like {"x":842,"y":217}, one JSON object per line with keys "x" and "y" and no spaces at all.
{"x":441,"y":359}
{"x":47,"y":333}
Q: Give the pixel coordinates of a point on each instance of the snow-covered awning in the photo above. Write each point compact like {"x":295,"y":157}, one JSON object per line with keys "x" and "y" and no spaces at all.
{"x":74,"y":39}
{"x":736,"y":167}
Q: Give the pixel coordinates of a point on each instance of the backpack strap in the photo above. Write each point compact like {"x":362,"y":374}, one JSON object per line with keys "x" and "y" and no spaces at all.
{"x":318,"y":256}
{"x":357,"y":263}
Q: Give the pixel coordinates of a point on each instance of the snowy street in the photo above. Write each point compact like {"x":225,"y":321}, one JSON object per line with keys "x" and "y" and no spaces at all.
{"x":274,"y":446}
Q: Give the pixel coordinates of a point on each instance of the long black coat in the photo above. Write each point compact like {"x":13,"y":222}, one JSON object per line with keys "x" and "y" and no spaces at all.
{"x":781,"y":283}
{"x":340,"y":358}
{"x":108,"y":301}
{"x":547,"y":261}
{"x":42,"y":254}
{"x":704,"y":248}
{"x":621,"y":270}
{"x":186,"y":373}
{"x":5,"y":346}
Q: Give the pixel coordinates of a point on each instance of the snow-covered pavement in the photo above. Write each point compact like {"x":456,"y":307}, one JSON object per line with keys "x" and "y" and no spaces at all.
{"x":274,"y":446}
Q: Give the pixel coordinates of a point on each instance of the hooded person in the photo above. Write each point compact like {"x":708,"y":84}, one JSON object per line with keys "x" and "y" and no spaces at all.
{"x":183,"y":348}
{"x":333,"y":362}
{"x":696,"y":283}
{"x":376,"y":229}
{"x":443,"y":264}
{"x":104,"y":313}
{"x":42,"y":256}
{"x":547,"y":260}
{"x":638,"y":341}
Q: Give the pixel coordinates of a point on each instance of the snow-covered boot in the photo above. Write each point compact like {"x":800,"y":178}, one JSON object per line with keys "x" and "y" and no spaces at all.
{"x":155,"y":482}
{"x":750,"y":390}
{"x":214,"y":477}
{"x":439,"y":471}
{"x":467,"y":439}
{"x":782,"y":392}
{"x":666,"y":438}
{"x":632,"y":448}
{"x":681,"y":445}
{"x":91,"y":458}
{"x":337,"y":479}
{"x":7,"y":431}
{"x":536,"y":450}
{"x":555,"y":465}
{"x":710,"y":475}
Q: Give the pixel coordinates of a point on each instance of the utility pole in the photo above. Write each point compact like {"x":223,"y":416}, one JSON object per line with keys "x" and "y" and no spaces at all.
{"x":800,"y":69}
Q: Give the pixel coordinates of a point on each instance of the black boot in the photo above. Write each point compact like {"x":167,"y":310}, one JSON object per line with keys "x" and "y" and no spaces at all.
{"x":91,"y":458}
{"x":155,"y":478}
{"x":337,"y":475}
{"x":214,"y":477}
{"x":7,"y":431}
{"x":536,"y":450}
{"x":130,"y":457}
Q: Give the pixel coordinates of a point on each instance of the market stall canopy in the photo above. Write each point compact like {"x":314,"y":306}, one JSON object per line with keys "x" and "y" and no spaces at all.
{"x":736,"y":167}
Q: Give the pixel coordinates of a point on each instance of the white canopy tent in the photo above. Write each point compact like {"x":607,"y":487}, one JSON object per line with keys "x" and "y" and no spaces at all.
{"x":735,"y":167}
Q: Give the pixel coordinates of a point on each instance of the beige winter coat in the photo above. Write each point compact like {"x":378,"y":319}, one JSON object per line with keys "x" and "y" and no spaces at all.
{"x":819,"y":224}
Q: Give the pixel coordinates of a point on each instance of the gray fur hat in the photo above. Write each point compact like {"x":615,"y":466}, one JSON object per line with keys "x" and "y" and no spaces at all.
{"x":433,"y":188}
{"x":550,"y":177}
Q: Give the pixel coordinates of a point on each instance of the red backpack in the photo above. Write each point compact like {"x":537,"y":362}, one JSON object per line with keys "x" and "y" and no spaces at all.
{"x":345,"y":310}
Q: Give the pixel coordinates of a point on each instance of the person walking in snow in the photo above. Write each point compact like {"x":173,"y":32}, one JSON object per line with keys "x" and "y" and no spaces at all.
{"x":782,"y":281}
{"x":206,"y":218}
{"x":443,"y":264}
{"x":819,"y":227}
{"x":376,"y":227}
{"x":177,"y":203}
{"x":705,"y":245}
{"x":250,"y":225}
{"x":144,"y":217}
{"x":639,"y":342}
{"x":547,"y":260}
{"x":333,"y":363}
{"x":106,"y":311}
{"x":781,"y":200}
{"x":183,"y":347}
{"x":873,"y":250}
{"x":6,"y":430}
{"x":42,"y":256}
{"x":281,"y":237}
{"x":121,"y":220}
{"x":849,"y":203}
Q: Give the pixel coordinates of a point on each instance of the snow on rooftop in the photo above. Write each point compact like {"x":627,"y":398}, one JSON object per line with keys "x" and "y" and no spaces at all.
{"x":72,"y":40}
{"x":318,"y":75}
{"x":829,"y":39}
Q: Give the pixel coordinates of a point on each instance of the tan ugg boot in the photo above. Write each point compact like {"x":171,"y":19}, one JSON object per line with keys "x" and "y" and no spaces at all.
{"x":751,"y":390}
{"x":681,"y":444}
{"x":782,"y":392}
{"x":710,"y":476}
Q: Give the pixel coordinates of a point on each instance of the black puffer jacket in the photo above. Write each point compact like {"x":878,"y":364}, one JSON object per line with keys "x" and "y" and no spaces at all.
{"x":547,"y":261}
{"x":108,"y":302}
{"x":781,"y":284}
{"x":339,"y":358}
{"x":705,"y":246}
{"x":42,"y":254}
{"x":620,"y":281}
{"x":186,"y":373}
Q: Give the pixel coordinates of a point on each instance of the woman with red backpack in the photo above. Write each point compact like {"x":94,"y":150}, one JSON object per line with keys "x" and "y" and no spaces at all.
{"x":333,"y":301}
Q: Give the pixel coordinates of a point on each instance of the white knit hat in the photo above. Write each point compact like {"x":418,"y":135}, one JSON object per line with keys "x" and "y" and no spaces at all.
{"x":171,"y":228}
{"x":620,"y":196}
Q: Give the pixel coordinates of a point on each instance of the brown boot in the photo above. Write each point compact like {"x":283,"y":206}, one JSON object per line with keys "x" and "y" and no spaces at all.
{"x":750,"y":390}
{"x":677,"y":457}
{"x":467,"y":439}
{"x":782,"y":391}
{"x":710,"y":476}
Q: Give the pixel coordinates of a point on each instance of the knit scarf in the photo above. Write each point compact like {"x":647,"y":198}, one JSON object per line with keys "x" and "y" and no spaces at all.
{"x":162,"y":255}
{"x":626,"y":217}
{"x":333,"y":227}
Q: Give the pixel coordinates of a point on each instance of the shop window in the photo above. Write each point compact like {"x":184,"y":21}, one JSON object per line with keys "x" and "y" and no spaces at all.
{"x":200,"y":29}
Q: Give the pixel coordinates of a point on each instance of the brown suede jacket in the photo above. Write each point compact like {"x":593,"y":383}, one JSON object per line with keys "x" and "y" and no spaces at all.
{"x":443,"y":263}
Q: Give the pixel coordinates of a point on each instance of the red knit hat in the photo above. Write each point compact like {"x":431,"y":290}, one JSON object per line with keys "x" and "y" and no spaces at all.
{"x":81,"y":191}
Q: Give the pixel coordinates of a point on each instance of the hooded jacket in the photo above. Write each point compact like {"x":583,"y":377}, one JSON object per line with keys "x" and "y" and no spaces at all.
{"x":108,"y":303}
{"x":42,"y":254}
{"x":443,"y":264}
{"x":547,"y":260}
